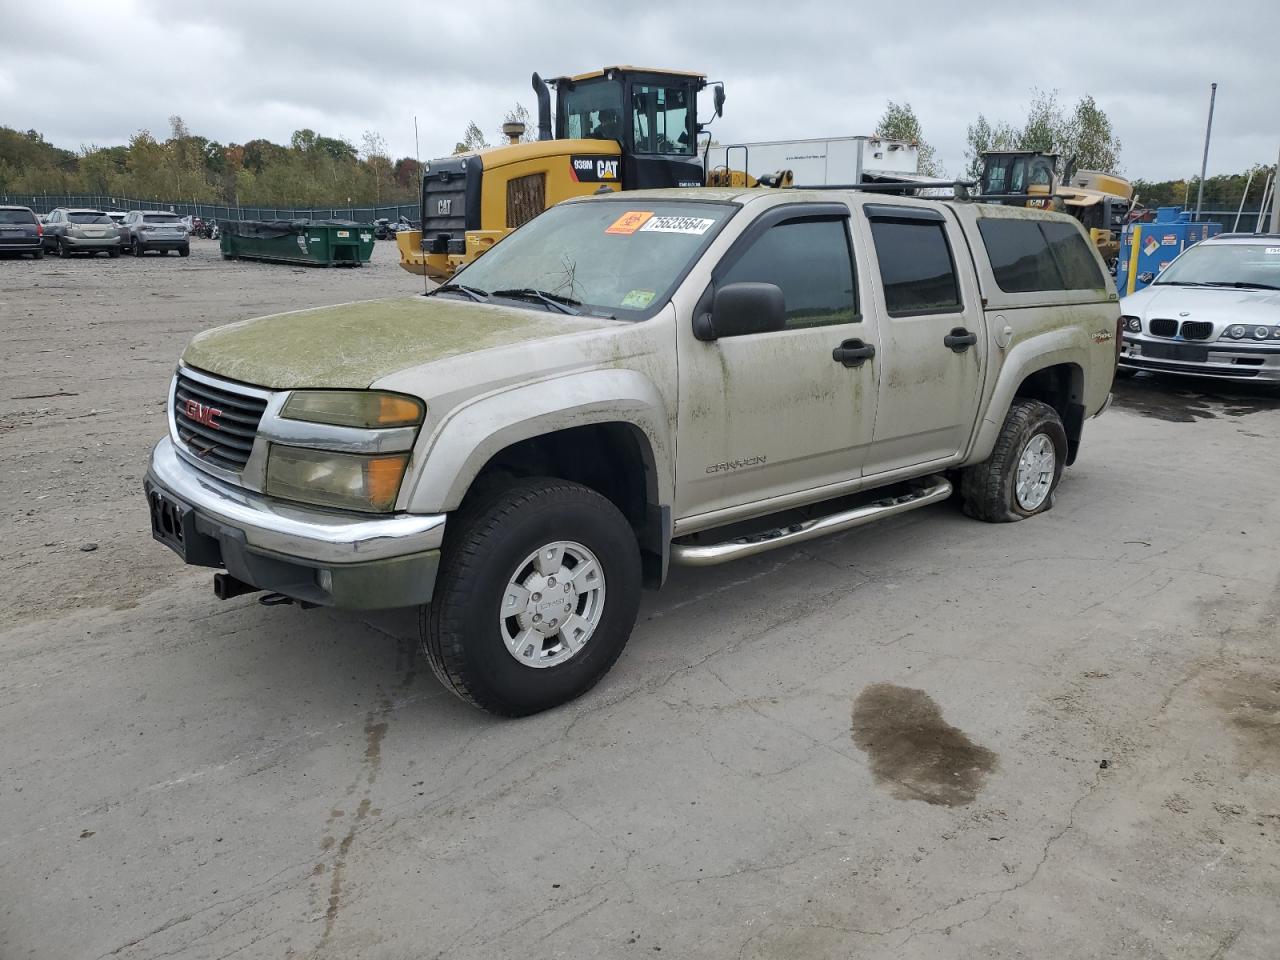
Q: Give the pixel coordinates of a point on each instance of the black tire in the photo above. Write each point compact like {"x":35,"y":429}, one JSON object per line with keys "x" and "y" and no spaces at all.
{"x":184,"y":251}
{"x":62,"y":249}
{"x":137,"y":248}
{"x":988,"y":488}
{"x":38,"y":254}
{"x":486,"y":541}
{"x":113,"y":253}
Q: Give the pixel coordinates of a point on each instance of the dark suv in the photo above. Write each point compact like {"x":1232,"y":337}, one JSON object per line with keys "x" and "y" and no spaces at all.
{"x":21,"y":232}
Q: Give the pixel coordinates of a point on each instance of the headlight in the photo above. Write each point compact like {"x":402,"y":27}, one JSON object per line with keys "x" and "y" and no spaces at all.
{"x":354,"y":408}
{"x":1237,"y":332}
{"x":343,"y":480}
{"x":1261,"y":333}
{"x":1133,"y":324}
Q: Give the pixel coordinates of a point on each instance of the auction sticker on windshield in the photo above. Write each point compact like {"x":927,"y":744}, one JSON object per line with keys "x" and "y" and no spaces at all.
{"x":694,"y":225}
{"x":630,"y":222}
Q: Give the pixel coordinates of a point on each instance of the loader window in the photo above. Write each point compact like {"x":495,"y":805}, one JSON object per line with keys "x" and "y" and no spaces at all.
{"x":593,"y":110}
{"x":660,"y":119}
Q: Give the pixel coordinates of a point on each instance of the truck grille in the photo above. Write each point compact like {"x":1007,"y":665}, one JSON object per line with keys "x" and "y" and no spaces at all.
{"x":1197,"y":329}
{"x":217,"y":424}
{"x":1164,"y":328}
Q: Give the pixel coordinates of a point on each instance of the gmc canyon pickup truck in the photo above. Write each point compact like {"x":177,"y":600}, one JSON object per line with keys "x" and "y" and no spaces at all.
{"x":626,"y":382}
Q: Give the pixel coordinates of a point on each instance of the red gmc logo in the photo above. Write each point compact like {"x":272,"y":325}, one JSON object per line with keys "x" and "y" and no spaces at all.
{"x":203,"y":414}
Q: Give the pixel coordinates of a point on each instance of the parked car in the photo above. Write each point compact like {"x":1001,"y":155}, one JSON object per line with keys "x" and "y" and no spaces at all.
{"x":21,"y":232}
{"x":157,"y":230}
{"x":625,"y":382}
{"x":117,"y":217}
{"x":1213,"y":312}
{"x":81,"y":230}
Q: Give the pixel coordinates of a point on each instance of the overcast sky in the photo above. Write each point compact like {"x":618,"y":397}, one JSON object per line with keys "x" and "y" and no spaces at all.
{"x":235,"y":70}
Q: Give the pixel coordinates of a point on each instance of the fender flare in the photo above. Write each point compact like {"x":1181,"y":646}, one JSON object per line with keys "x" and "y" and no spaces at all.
{"x":470,"y":435}
{"x":1022,"y":360}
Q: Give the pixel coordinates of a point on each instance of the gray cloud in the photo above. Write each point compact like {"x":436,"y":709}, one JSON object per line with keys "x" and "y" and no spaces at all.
{"x":241,"y":69}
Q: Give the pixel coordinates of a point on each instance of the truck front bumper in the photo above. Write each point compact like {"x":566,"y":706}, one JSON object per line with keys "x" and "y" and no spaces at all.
{"x":318,"y":556}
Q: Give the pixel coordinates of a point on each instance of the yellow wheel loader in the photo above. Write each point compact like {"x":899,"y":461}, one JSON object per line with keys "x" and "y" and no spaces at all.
{"x":1098,"y":200}
{"x":619,"y":128}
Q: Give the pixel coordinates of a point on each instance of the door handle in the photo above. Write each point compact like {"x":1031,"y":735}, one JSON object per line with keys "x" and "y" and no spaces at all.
{"x":960,"y":339}
{"x":853,"y":353}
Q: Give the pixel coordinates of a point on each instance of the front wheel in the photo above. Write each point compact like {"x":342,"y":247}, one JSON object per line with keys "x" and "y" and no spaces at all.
{"x":62,"y":249}
{"x":1018,"y":479}
{"x":537,"y":594}
{"x":184,"y":251}
{"x":137,"y":249}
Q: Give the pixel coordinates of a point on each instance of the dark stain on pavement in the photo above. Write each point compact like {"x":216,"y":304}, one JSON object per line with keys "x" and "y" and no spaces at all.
{"x":913,"y":751}
{"x":1251,"y":702}
{"x":1188,"y":399}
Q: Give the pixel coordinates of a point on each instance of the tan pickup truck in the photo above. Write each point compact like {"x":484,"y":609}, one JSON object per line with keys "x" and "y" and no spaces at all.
{"x":626,"y":382}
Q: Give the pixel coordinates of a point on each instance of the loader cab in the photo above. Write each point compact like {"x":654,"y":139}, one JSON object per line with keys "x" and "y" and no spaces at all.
{"x":1019,"y":171}
{"x":652,"y":114}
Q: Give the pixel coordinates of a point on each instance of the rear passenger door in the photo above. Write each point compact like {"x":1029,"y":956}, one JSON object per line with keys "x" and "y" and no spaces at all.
{"x":933,"y":354}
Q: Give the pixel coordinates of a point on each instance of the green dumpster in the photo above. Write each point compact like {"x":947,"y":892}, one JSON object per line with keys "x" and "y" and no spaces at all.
{"x":316,"y":243}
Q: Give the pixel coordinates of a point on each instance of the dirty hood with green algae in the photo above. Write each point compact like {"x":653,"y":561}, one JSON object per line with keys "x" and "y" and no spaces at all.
{"x":355,"y":344}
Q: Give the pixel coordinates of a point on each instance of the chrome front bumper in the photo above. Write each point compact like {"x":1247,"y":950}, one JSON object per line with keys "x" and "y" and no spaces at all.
{"x":321,"y":556}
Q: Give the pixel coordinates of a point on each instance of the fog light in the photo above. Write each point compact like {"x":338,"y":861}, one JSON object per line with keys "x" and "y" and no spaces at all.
{"x":324,"y":579}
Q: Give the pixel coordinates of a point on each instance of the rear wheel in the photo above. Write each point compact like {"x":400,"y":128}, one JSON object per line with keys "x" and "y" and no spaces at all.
{"x":1018,"y":479}
{"x":62,"y":249}
{"x":113,"y":252}
{"x":137,"y":248}
{"x":38,"y":254}
{"x":537,"y":595}
{"x":184,"y":251}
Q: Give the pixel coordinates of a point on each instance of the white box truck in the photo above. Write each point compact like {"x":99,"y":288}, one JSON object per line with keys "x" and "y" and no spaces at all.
{"x":822,"y":161}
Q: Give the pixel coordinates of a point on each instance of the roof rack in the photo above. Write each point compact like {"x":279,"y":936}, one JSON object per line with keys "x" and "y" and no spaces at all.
{"x":1246,"y":233}
{"x":960,"y":189}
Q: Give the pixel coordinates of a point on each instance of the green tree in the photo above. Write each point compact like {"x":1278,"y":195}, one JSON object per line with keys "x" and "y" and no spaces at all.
{"x":899,"y":122}
{"x":472,"y":140}
{"x":1082,"y":137}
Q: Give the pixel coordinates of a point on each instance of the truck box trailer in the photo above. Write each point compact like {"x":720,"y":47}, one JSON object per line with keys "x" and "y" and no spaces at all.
{"x":821,"y":161}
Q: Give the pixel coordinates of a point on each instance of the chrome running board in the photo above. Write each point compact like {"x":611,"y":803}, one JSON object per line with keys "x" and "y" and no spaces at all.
{"x":706,"y":555}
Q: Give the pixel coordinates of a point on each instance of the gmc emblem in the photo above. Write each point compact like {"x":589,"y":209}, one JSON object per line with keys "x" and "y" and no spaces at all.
{"x":201,"y":413}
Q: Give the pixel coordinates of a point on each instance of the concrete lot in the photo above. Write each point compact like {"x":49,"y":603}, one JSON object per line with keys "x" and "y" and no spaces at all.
{"x":928,"y":738}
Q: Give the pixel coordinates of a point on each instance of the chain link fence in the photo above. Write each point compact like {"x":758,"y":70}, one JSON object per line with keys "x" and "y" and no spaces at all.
{"x":43,"y":203}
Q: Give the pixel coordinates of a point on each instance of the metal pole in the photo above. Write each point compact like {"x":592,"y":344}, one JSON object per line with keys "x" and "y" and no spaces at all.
{"x":1204,"y":162}
{"x":1247,"y":184}
{"x":1262,"y":210}
{"x":422,"y":227}
{"x":1275,"y":207}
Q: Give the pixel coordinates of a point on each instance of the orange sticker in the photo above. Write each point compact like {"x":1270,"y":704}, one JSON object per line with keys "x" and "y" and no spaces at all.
{"x":630,"y":222}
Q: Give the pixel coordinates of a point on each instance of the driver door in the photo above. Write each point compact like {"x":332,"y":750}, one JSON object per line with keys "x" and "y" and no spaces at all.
{"x":764,"y":415}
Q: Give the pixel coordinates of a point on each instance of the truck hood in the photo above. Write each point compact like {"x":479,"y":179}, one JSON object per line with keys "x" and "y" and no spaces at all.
{"x":355,"y":344}
{"x":1222,"y":306}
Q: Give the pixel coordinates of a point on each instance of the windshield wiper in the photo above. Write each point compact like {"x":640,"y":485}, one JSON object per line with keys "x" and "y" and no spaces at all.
{"x":553,"y":300}
{"x":1240,"y":285}
{"x":1180,"y":283}
{"x":476,"y":294}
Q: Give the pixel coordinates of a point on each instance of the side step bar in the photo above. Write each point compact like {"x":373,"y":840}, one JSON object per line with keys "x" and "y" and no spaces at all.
{"x":706,"y":555}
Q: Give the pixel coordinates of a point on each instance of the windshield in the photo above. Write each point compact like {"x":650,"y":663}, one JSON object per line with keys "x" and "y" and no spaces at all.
{"x":614,"y":258}
{"x":161,"y":218}
{"x":17,"y":216}
{"x":88,"y":217}
{"x":1227,"y":264}
{"x":593,"y":110}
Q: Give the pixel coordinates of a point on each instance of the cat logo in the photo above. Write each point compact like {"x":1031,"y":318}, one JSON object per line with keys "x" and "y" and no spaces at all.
{"x":444,"y":208}
{"x":594,"y":169}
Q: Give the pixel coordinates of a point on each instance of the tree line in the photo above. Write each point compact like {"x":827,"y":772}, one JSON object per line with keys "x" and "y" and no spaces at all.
{"x":311,"y":169}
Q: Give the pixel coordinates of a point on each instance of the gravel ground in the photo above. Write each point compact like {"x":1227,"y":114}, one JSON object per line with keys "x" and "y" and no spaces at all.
{"x":925,"y":738}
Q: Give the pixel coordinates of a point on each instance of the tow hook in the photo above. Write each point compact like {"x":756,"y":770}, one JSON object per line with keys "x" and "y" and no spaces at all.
{"x":280,"y":600}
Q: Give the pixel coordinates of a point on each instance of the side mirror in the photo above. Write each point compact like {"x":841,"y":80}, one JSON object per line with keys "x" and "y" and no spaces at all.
{"x":742,"y":308}
{"x":718,"y":97}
